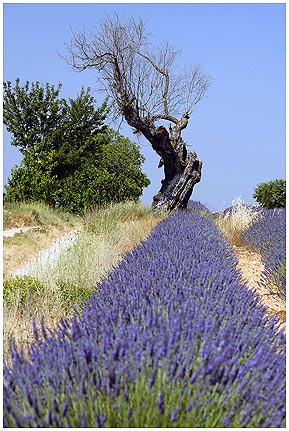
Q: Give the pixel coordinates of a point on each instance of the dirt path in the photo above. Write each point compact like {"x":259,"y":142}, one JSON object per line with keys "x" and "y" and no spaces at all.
{"x":12,"y":232}
{"x":46,"y":258}
{"x":251,"y":267}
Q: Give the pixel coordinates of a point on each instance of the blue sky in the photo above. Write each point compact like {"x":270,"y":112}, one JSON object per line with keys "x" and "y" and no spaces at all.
{"x":238,"y":130}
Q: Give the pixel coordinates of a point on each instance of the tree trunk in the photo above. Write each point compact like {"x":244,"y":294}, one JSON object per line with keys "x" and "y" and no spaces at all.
{"x":176,"y":192}
{"x":182,"y":170}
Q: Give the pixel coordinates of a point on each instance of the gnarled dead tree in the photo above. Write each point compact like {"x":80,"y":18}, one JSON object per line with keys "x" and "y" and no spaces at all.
{"x":147,"y":89}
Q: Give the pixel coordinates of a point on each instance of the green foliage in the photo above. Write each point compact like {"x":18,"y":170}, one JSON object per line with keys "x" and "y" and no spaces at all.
{"x":165,"y":404}
{"x":271,"y":195}
{"x":32,"y":180}
{"x":31,"y":114}
{"x":70,"y":156}
{"x":18,"y":290}
{"x":72,"y":295}
{"x":111,"y":174}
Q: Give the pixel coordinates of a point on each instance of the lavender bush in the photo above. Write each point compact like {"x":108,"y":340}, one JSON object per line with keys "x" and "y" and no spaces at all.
{"x":197,"y":206}
{"x":170,"y":338}
{"x":268,"y":237}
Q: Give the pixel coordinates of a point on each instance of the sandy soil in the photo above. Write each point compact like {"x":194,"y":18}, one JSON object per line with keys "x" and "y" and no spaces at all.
{"x":47,"y":257}
{"x":251,"y":267}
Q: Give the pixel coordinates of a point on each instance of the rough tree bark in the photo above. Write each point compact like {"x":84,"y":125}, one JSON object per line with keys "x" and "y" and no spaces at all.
{"x":146,"y":89}
{"x":182,"y":169}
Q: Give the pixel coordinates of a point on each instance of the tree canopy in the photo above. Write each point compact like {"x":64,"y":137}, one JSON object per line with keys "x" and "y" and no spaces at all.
{"x":271,"y":194}
{"x":70,"y":155}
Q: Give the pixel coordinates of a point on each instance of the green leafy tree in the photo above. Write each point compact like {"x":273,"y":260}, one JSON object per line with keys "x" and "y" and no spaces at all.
{"x":32,"y":113}
{"x":271,"y":194}
{"x":33,"y":179}
{"x":70,"y":155}
{"x":112,"y":175}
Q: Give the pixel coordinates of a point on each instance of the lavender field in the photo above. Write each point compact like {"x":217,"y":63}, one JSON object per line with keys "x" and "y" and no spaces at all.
{"x":171,"y":337}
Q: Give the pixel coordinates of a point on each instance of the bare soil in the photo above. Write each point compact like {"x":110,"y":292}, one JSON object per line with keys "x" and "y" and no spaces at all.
{"x":18,"y":249}
{"x":251,"y":267}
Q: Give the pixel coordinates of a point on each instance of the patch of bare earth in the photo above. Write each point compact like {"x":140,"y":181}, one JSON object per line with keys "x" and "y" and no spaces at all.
{"x":250,"y":265}
{"x":18,"y":249}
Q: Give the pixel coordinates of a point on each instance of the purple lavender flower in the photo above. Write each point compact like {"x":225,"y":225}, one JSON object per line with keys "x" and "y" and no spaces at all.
{"x":190,"y":405}
{"x":160,"y":403}
{"x":226,"y":421}
{"x":175,"y":304}
{"x":175,"y":414}
{"x":64,"y":408}
{"x":100,"y":420}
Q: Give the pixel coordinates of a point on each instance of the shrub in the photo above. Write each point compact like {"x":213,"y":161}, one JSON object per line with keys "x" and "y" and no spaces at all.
{"x":198,"y":207}
{"x":72,"y":295}
{"x":18,"y":290}
{"x":109,"y":173}
{"x":171,"y":337}
{"x":272,"y":194}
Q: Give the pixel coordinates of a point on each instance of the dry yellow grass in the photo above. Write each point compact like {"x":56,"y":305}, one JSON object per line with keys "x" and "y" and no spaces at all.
{"x":50,"y":225}
{"x":17,"y":250}
{"x":17,"y":324}
{"x":21,"y":214}
{"x":236,"y":221}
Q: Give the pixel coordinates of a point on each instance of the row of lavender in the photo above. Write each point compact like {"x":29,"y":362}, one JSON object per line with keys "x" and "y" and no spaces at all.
{"x":171,"y":338}
{"x":267,"y":236}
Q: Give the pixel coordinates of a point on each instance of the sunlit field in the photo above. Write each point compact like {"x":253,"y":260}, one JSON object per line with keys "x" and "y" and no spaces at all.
{"x":145,"y":321}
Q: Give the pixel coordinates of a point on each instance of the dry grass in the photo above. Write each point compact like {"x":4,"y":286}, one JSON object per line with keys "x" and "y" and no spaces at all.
{"x":51,"y":224}
{"x":107,"y":235}
{"x":21,"y":214}
{"x":17,"y":323}
{"x":17,"y":250}
{"x":236,"y":221}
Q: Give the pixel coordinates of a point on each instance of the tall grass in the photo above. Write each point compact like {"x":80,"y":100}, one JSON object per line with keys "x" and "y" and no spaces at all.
{"x":19,"y":214}
{"x":235,"y":220}
{"x":105,"y":236}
